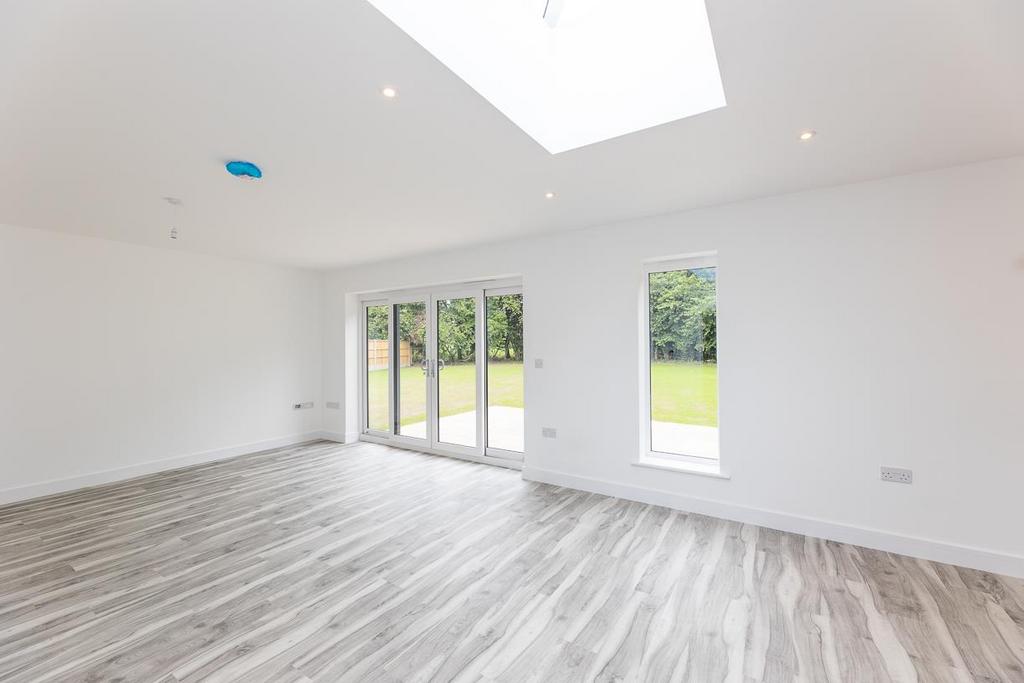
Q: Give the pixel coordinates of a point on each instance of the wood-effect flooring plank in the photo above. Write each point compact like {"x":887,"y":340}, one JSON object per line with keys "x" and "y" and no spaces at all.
{"x":363,"y":563}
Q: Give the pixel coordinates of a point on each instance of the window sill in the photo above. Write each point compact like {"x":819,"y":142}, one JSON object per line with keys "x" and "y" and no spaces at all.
{"x":710,"y":469}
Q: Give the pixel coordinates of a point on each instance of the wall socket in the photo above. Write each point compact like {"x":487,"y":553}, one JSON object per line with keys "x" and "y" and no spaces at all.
{"x":538,"y":363}
{"x":303,"y":406}
{"x":549,"y":432}
{"x":898,"y":475}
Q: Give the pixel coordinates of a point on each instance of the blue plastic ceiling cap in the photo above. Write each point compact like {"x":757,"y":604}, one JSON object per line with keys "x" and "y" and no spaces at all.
{"x":244,"y":169}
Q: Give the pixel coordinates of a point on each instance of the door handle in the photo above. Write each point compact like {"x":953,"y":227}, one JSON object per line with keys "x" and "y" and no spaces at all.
{"x":425,"y":366}
{"x":441,"y":367}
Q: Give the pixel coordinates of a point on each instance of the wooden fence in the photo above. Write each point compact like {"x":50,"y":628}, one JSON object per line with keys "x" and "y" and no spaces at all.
{"x":377,"y":354}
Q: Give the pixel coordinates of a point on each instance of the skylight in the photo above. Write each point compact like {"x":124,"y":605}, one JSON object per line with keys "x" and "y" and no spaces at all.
{"x":573,"y":72}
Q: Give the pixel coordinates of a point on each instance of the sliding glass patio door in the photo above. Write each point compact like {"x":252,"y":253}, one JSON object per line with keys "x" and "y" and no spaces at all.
{"x":442,"y":370}
{"x":457,"y":374}
{"x":411,"y":378}
{"x":504,"y":372}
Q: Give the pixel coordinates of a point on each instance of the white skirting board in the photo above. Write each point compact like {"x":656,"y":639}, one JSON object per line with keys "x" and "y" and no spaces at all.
{"x":964,"y":556}
{"x":338,"y":437}
{"x":47,"y":488}
{"x":938,"y":551}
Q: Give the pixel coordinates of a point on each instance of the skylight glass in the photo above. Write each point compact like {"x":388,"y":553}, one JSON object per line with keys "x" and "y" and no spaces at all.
{"x":573,"y":72}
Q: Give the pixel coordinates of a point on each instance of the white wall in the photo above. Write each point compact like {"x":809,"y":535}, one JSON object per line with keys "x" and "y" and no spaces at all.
{"x":877,"y":323}
{"x":115,"y":358}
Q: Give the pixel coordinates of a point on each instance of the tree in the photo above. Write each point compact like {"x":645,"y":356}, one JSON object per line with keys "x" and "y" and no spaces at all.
{"x":377,"y":322}
{"x":456,"y":328}
{"x":683,"y":315}
{"x":456,"y":323}
{"x":505,"y":327}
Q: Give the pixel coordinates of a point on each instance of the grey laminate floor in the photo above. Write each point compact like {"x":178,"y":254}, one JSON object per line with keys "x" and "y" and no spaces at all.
{"x":371,"y":564}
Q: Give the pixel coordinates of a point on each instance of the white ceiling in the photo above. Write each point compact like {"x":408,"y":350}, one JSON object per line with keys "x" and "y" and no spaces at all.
{"x":106,"y":107}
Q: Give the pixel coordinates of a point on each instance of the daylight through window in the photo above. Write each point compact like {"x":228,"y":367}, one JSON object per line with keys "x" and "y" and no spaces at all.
{"x":683,"y":359}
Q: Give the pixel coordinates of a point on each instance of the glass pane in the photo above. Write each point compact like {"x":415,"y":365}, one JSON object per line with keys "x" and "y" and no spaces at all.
{"x":378,"y":358}
{"x":411,"y":354}
{"x":505,"y":426}
{"x":456,"y":371}
{"x":684,"y":362}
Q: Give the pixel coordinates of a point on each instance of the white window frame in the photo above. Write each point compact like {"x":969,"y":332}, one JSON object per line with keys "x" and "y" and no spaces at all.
{"x":647,"y":456}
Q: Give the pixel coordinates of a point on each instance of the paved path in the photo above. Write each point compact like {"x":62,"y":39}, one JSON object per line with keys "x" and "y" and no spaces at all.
{"x":507,"y":432}
{"x":505,"y":426}
{"x":669,"y":437}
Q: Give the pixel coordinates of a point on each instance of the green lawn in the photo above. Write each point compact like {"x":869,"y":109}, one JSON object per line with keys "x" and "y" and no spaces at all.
{"x":685,"y":393}
{"x":457,"y":389}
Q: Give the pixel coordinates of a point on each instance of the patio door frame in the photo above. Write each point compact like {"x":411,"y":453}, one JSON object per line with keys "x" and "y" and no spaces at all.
{"x":490,"y":451}
{"x":434,"y":384}
{"x":364,"y":395}
{"x":394,"y":353}
{"x":478,"y":291}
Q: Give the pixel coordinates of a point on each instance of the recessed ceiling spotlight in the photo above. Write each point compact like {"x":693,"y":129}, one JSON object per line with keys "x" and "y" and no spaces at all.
{"x":389,"y":92}
{"x":807,"y":135}
{"x":549,"y":195}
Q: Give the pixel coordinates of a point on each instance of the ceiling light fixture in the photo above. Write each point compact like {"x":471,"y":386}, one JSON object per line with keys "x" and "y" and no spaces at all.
{"x":389,"y":92}
{"x":244,"y":169}
{"x":549,"y":195}
{"x":807,"y":135}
